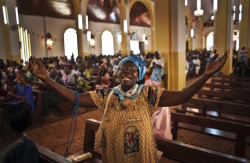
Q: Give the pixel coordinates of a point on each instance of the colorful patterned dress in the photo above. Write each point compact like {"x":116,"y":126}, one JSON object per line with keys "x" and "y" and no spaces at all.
{"x":126,"y":131}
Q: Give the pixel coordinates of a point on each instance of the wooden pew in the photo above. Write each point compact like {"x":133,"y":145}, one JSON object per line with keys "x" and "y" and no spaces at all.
{"x":232,"y":77}
{"x":38,"y":105}
{"x":225,"y":88}
{"x":225,"y":96}
{"x":41,"y":85}
{"x":204,"y":105}
{"x":47,"y":156}
{"x":65,"y":107}
{"x":174,"y":150}
{"x":240,"y":129}
{"x":230,"y":82}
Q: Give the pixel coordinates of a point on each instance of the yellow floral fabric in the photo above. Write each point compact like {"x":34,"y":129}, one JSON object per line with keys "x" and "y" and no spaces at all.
{"x":82,"y":82}
{"x":127,"y":131}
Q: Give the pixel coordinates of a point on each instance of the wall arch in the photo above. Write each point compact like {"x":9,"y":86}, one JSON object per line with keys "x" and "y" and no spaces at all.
{"x":107,"y":43}
{"x":148,"y":4}
{"x":206,"y":34}
{"x":210,"y":41}
{"x":70,"y":43}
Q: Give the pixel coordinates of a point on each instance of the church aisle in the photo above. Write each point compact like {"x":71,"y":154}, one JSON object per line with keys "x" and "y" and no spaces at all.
{"x":54,"y":136}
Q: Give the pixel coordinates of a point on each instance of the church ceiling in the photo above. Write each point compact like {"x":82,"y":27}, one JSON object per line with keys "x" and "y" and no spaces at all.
{"x":49,"y":8}
{"x":108,"y":13}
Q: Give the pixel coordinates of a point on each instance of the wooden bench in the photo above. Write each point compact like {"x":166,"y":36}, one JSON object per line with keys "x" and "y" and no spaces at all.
{"x":174,"y":150}
{"x":230,"y":82}
{"x":225,"y":96}
{"x":204,"y":105}
{"x":65,"y":107}
{"x":225,"y":88}
{"x":232,"y":77}
{"x":240,"y":129}
{"x":38,"y":105}
{"x":47,"y":156}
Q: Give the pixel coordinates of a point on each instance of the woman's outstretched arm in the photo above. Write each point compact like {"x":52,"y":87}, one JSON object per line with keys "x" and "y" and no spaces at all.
{"x":39,"y":70}
{"x":171,"y":98}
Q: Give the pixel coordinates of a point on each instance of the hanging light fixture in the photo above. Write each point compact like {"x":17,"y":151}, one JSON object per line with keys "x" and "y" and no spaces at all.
{"x":49,"y":41}
{"x":192,"y":33}
{"x":125,"y":26}
{"x":240,"y":12}
{"x":212,"y":17}
{"x":215,"y":5}
{"x":146,"y":40}
{"x":80,"y":25}
{"x":199,"y":11}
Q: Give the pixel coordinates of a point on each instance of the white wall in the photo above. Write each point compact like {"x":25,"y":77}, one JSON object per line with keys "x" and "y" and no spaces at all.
{"x":98,"y":28}
{"x":36,"y":25}
{"x":57,"y":27}
{"x":140,"y":31}
{"x":197,"y":37}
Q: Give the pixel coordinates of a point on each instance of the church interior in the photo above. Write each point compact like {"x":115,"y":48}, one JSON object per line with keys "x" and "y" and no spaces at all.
{"x":80,"y":43}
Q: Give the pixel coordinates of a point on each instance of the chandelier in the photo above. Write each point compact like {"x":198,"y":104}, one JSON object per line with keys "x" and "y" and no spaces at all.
{"x":199,"y":11}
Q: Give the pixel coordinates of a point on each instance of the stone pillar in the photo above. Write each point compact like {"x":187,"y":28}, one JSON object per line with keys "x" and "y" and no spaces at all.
{"x":244,"y":26}
{"x":77,"y":10}
{"x":170,"y":40}
{"x":9,"y":32}
{"x":86,"y":48}
{"x":124,"y":15}
{"x":223,"y":37}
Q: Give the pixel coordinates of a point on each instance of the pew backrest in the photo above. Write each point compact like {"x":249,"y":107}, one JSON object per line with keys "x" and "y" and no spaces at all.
{"x":241,"y":130}
{"x":230,"y":82}
{"x":47,"y":156}
{"x":226,"y":88}
{"x":206,"y":104}
{"x":224,"y":96}
{"x":175,"y":150}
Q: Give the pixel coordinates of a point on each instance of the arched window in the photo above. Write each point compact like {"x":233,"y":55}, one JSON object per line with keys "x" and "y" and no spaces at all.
{"x":70,"y":43}
{"x":134,"y":43}
{"x":107,"y":43}
{"x":210,"y":41}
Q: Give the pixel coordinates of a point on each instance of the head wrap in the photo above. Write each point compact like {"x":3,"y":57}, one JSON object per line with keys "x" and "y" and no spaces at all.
{"x":140,"y":64}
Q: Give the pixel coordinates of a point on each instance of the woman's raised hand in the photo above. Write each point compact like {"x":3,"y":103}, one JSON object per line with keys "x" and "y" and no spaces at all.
{"x":38,"y":69}
{"x":216,"y":64}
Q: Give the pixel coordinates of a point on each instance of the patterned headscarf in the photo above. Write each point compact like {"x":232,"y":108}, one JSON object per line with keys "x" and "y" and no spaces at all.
{"x":140,"y":64}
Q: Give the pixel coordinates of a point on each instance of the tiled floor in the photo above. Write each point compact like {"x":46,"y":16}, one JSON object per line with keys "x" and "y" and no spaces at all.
{"x":54,"y":136}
